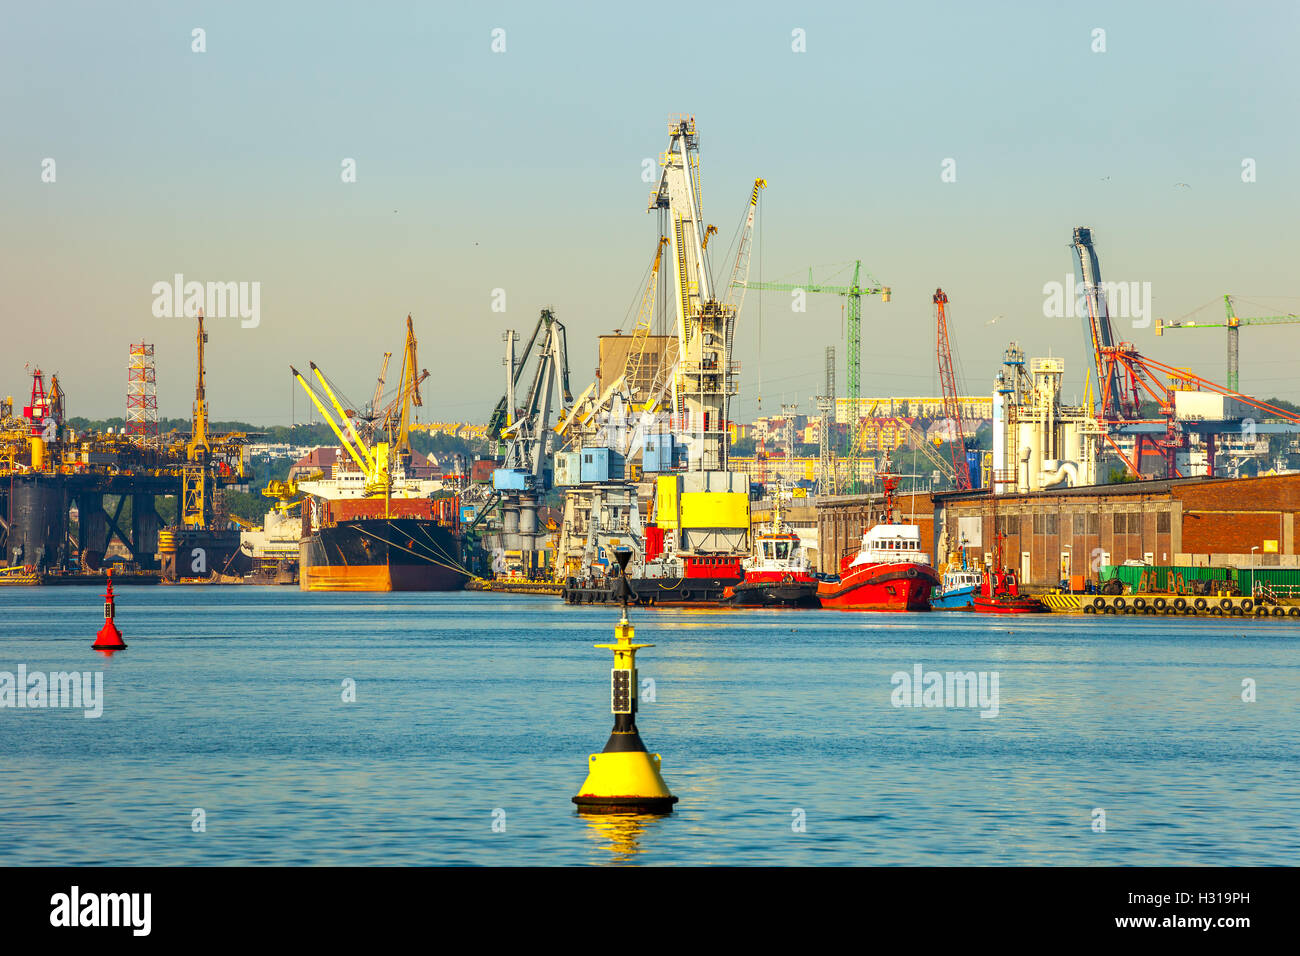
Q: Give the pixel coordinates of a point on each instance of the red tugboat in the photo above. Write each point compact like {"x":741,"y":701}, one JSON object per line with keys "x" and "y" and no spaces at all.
{"x":1000,"y":593}
{"x":890,"y":572}
{"x":779,"y":574}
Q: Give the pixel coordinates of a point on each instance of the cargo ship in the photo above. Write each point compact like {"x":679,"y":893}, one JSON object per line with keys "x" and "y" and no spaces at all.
{"x":406,"y":553}
{"x":889,"y":572}
{"x":380,"y":543}
{"x":373,"y":524}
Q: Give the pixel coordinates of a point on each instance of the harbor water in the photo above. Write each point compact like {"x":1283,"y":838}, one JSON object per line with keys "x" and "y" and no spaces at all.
{"x":227,"y":736}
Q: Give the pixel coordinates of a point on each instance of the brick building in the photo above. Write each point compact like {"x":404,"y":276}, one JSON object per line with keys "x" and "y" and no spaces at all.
{"x":1190,"y":521}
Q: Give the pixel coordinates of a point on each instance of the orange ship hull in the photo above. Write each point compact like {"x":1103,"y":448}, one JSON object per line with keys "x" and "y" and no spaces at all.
{"x":375,"y":578}
{"x":378,"y":555}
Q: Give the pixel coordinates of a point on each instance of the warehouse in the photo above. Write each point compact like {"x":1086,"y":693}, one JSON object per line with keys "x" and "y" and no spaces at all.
{"x":1050,"y":535}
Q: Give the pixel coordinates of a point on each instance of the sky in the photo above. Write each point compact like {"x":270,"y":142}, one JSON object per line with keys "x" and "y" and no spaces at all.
{"x":521,"y":170}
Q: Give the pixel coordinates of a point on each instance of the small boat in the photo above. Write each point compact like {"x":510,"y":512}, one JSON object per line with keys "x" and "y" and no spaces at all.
{"x":957,"y":592}
{"x":779,"y":574}
{"x":999,"y":591}
{"x":890,"y":572}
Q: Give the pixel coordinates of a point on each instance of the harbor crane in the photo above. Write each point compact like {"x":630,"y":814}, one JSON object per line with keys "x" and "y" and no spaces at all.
{"x":524,"y":430}
{"x":393,"y":418}
{"x":951,"y":397}
{"x":1233,"y":323}
{"x":1126,"y":378}
{"x":704,"y":379}
{"x":207,"y":457}
{"x":383,"y":465}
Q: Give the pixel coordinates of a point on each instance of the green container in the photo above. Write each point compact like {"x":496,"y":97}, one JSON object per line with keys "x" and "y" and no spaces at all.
{"x":1162,"y":577}
{"x":1273,"y":577}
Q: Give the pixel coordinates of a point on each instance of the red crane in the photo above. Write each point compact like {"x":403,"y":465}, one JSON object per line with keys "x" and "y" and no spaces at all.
{"x":951,"y":402}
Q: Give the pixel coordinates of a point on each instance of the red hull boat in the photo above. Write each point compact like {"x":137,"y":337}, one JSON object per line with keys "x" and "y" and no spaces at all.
{"x":880,"y":587}
{"x":1000,"y":592}
{"x":890,"y":572}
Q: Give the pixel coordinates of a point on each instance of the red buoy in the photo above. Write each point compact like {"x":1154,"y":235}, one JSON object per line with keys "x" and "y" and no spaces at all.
{"x":109,"y":637}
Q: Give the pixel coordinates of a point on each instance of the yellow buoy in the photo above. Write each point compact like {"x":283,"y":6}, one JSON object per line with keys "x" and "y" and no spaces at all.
{"x":624,"y":778}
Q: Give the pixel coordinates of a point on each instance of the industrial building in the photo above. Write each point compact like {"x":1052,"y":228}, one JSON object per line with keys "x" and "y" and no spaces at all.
{"x":841,"y":520}
{"x":1053,"y":534}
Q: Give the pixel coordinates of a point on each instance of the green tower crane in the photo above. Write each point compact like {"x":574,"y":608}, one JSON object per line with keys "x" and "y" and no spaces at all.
{"x":1232,"y":323}
{"x":854,"y":293}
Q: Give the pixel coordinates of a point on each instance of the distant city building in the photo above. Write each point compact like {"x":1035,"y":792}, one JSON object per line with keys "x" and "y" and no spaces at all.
{"x":777,"y":468}
{"x":885,"y":434}
{"x":460,"y":430}
{"x":973,"y":407}
{"x":278,"y":450}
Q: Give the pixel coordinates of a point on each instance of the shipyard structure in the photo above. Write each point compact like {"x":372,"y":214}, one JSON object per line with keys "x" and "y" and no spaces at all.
{"x":54,"y":482}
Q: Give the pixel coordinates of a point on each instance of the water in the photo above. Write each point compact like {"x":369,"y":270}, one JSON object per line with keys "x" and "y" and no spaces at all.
{"x":229,"y":699}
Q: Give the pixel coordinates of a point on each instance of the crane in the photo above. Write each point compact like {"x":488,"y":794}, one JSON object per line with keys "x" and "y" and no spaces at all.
{"x":370,"y":420}
{"x":1232,"y":322}
{"x":1115,"y":403}
{"x":740,"y":270}
{"x":196,"y":496}
{"x":393,"y":420}
{"x":635,"y":371}
{"x":527,"y":434}
{"x":503,"y":416}
{"x":1126,"y":378}
{"x":703,"y":379}
{"x":951,"y":400}
{"x":382,"y":463}
{"x":853,"y":292}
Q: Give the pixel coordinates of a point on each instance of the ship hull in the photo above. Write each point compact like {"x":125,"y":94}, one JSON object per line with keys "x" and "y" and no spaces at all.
{"x":775,"y":594}
{"x":962,"y":599}
{"x":204,"y":557}
{"x":652,"y":592}
{"x":384,"y":554}
{"x":893,"y":587}
{"x":1009,"y":604}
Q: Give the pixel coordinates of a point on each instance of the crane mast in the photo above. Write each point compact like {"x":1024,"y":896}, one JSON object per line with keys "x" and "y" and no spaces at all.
{"x":1114,"y":403}
{"x":198,"y":447}
{"x":951,"y":400}
{"x":196,"y":507}
{"x":410,"y":395}
{"x":705,"y":377}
